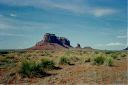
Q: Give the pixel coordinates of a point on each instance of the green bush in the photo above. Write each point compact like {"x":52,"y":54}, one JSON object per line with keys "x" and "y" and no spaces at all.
{"x":123,"y":55}
{"x":98,"y":60}
{"x":47,"y":64}
{"x":114,"y":55}
{"x":29,"y":69}
{"x":108,"y":61}
{"x":5,"y":60}
{"x":88,"y":60}
{"x":109,"y":52}
{"x":64,"y":61}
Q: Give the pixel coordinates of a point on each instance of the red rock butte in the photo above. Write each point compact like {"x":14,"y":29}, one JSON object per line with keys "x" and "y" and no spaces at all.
{"x":51,"y":42}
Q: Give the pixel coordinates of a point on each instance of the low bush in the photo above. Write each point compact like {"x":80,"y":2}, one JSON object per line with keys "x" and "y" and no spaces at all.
{"x":6,"y":61}
{"x":108,"y":61}
{"x":123,"y":55}
{"x":114,"y":55}
{"x":47,"y":64}
{"x":64,"y":60}
{"x":98,"y":60}
{"x":30,"y":69}
{"x":88,"y":60}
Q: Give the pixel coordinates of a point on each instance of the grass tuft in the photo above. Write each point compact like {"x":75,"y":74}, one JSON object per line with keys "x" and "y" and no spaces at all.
{"x":30,"y":69}
{"x":98,"y":60}
{"x":47,"y":64}
{"x":108,"y":61}
{"x":64,"y":61}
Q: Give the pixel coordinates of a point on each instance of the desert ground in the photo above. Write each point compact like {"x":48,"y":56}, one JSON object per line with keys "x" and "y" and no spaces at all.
{"x":63,"y":67}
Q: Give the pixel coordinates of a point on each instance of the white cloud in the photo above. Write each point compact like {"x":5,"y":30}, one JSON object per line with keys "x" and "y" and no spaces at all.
{"x":98,"y":12}
{"x":73,"y":6}
{"x":122,"y":36}
{"x":114,"y":44}
{"x":11,"y":34}
{"x":12,"y":14}
{"x":14,"y":24}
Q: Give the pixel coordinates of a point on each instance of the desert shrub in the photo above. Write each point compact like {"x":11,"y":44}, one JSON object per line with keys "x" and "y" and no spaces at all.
{"x":108,"y":61}
{"x":47,"y":64}
{"x":74,"y":59}
{"x":30,"y":69}
{"x":96,"y":52}
{"x":64,"y":60}
{"x":5,"y":61}
{"x":123,"y":55}
{"x":108,"y":52}
{"x":4,"y":52}
{"x":88,"y":59}
{"x":114,"y":55}
{"x":98,"y":60}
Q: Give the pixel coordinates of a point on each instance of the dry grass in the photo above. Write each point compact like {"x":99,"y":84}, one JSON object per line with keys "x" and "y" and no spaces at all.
{"x":80,"y":69}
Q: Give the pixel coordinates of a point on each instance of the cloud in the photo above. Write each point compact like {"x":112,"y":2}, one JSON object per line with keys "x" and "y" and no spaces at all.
{"x":122,"y":36}
{"x":11,"y":34}
{"x":14,"y":24}
{"x":12,"y":14}
{"x":73,"y":6}
{"x":98,"y":12}
{"x":114,"y":44}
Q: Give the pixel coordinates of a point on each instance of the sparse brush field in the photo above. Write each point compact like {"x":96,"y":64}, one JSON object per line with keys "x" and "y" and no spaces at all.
{"x":64,"y":67}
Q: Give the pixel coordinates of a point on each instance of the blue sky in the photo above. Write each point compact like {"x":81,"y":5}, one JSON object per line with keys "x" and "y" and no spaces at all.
{"x":101,"y":24}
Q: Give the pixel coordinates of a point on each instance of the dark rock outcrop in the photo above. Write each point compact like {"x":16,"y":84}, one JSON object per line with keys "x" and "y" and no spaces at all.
{"x":78,"y":46}
{"x":126,"y":48}
{"x":51,"y":40}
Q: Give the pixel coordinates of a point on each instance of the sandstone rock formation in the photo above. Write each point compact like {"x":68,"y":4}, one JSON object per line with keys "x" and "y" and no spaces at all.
{"x":52,"y":41}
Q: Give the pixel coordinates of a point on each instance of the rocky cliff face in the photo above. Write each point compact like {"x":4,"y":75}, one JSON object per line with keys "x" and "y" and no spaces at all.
{"x":50,"y":39}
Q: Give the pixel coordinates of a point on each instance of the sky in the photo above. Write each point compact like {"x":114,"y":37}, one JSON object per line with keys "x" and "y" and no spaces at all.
{"x":101,"y":24}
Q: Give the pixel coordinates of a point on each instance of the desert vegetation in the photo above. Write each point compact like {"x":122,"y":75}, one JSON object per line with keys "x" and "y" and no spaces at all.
{"x":40,"y":66}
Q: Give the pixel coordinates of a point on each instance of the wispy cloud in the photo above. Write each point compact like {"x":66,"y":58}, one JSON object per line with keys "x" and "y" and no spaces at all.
{"x":11,"y":34}
{"x":73,"y":6}
{"x":12,"y":14}
{"x":122,"y":36}
{"x":14,"y":24}
{"x":98,"y":12}
{"x":111,"y":44}
{"x":114,"y":44}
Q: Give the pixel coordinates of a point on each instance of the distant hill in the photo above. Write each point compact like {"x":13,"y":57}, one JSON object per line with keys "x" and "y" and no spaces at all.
{"x":52,"y":42}
{"x":88,"y":48}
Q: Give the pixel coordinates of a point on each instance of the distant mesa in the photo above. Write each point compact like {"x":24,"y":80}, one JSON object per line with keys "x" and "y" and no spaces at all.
{"x":51,"y":41}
